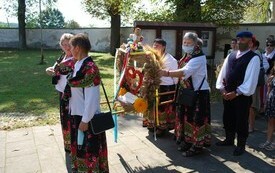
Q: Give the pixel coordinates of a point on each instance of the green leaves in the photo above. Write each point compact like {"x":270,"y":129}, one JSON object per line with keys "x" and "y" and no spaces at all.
{"x":52,"y":18}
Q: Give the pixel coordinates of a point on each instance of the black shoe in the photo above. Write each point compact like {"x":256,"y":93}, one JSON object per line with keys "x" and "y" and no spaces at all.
{"x":225,"y":143}
{"x":160,"y":133}
{"x":238,"y":151}
{"x":150,"y":129}
{"x":184,"y":147}
{"x":192,"y":152}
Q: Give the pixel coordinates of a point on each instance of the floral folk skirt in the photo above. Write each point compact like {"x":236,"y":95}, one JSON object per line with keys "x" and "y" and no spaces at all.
{"x":166,"y":113}
{"x":65,"y":123}
{"x":92,"y":156}
{"x":193,"y":123}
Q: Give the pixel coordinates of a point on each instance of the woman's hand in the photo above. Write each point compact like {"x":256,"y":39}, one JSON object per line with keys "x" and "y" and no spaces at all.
{"x":83,"y":126}
{"x":50,"y":71}
{"x":163,"y":72}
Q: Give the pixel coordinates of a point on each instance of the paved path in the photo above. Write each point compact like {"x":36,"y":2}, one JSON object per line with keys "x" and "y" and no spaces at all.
{"x":40,"y":150}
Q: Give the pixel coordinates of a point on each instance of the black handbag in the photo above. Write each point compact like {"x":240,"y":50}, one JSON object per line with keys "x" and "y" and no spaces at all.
{"x":188,"y":97}
{"x":104,"y":120}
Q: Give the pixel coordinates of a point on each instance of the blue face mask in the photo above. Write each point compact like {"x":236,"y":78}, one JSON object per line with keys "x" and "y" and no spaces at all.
{"x":187,"y":49}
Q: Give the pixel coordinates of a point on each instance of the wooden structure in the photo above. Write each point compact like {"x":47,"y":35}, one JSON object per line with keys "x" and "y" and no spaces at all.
{"x":173,"y":32}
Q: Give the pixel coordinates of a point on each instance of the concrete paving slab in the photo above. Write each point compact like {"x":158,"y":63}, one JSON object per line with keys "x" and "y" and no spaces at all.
{"x":23,"y":164}
{"x":20,"y":148}
{"x":19,"y":135}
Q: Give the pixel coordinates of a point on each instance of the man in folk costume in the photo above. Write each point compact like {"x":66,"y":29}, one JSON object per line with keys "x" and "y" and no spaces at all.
{"x":237,"y":82}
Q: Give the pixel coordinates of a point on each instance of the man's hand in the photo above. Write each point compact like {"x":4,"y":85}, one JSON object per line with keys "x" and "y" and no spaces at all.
{"x":230,"y":95}
{"x":83,"y":126}
{"x":224,"y":95}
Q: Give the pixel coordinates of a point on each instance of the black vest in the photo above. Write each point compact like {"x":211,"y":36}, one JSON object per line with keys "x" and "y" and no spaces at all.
{"x":236,"y":68}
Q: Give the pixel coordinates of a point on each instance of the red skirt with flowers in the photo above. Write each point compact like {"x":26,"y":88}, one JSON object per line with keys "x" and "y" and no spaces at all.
{"x":193,"y":123}
{"x":65,"y":123}
{"x":92,"y":156}
{"x":166,"y":113}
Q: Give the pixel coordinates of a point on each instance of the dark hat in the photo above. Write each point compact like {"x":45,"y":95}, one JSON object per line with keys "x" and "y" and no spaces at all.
{"x":245,"y":34}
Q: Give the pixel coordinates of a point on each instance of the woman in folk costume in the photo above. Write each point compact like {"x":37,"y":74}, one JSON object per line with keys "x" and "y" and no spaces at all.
{"x":270,"y":112}
{"x":83,"y":90}
{"x":192,"y":130}
{"x":166,"y":113}
{"x":63,"y":65}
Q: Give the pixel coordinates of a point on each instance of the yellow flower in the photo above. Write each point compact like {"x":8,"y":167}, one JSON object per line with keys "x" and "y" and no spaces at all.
{"x":140,"y":105}
{"x":122,"y":91}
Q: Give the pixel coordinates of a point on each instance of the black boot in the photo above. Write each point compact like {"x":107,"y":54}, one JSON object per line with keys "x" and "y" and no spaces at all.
{"x":229,"y":140}
{"x":240,"y":149}
{"x":225,"y":142}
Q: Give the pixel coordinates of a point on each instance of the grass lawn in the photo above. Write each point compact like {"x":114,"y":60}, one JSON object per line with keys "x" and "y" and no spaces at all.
{"x":27,"y":96}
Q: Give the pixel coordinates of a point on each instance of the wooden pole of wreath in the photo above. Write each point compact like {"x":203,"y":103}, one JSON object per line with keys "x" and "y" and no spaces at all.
{"x":157,"y":110}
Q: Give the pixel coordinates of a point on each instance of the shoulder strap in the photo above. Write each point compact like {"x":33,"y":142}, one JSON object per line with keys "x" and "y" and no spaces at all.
{"x":201,"y":83}
{"x":106,"y":96}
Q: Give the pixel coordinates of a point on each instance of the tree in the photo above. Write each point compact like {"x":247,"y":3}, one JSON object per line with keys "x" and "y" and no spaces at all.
{"x":259,"y":12}
{"x":224,"y":12}
{"x":22,"y":9}
{"x":22,"y":24}
{"x":157,"y":10}
{"x":221,"y":12}
{"x":112,"y":9}
{"x":187,"y":10}
{"x":72,"y":24}
{"x":52,"y":18}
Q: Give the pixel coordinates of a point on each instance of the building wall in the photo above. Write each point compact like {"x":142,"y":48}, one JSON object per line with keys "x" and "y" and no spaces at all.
{"x":100,"y":37}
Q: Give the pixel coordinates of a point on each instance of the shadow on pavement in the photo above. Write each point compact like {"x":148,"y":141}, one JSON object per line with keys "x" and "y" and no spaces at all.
{"x":213,"y":159}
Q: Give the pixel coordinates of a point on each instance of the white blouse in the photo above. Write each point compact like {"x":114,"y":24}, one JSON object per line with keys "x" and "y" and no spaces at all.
{"x":85,"y":102}
{"x":249,"y":84}
{"x":170,"y":63}
{"x":196,"y":67}
{"x":61,"y":84}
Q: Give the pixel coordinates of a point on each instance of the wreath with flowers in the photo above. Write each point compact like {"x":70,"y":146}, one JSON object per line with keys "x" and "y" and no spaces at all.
{"x":142,"y":83}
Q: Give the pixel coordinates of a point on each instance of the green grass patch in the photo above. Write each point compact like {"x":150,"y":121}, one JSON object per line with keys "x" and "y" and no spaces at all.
{"x":26,"y":90}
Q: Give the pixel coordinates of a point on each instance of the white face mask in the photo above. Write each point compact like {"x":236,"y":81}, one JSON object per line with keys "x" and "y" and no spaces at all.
{"x":187,"y":49}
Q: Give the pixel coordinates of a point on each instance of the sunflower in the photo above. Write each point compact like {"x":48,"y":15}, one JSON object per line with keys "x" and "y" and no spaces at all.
{"x":122,"y":91}
{"x":140,"y":105}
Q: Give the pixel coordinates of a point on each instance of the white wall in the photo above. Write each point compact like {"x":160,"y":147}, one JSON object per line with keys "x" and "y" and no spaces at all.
{"x":100,"y":37}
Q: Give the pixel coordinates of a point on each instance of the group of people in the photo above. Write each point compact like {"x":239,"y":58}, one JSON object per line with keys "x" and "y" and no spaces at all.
{"x":191,"y":124}
{"x":238,"y":82}
{"x":77,"y":79}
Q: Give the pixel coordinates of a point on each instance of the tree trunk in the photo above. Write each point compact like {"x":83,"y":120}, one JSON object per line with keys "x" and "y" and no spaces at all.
{"x":22,"y":24}
{"x":115,"y":33}
{"x":188,"y":10}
